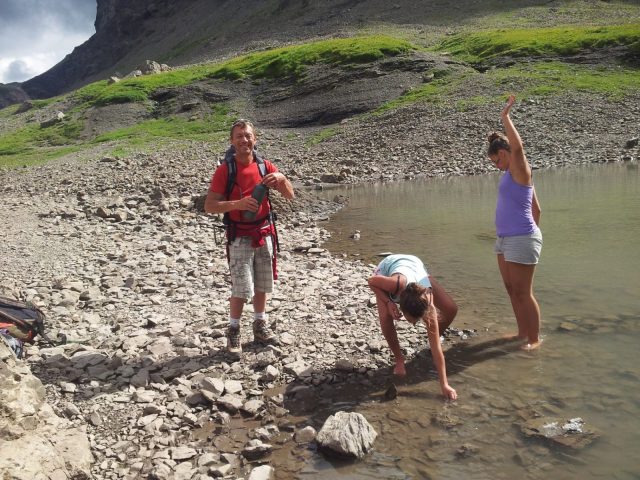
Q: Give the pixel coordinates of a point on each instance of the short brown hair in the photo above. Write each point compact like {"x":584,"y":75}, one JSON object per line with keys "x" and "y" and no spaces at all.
{"x":242,"y":123}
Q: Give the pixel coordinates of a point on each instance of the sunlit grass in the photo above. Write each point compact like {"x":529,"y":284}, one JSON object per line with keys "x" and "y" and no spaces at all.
{"x":285,"y":62}
{"x":322,"y":135}
{"x":32,"y":144}
{"x":214,"y":127}
{"x":528,"y":79}
{"x":536,"y":42}
{"x":32,"y":137}
{"x":550,"y":78}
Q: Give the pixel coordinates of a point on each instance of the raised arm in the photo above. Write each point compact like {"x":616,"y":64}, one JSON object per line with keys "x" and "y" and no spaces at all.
{"x":518,"y":166}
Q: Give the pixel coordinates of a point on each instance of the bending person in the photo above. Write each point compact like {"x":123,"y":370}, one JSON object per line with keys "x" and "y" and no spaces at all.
{"x":519,"y":241}
{"x":403,"y":279}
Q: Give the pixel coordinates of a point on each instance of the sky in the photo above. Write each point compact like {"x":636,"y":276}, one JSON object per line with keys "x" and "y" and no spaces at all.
{"x":37,"y":34}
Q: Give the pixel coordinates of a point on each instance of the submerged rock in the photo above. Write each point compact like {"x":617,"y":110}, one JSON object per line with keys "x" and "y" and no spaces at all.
{"x":571,"y":433}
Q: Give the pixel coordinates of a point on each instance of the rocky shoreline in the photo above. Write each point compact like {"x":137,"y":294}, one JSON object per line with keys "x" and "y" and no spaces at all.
{"x":124,"y":264}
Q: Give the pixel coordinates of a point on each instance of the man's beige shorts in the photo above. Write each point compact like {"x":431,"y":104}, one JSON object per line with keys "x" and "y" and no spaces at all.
{"x":250,"y":268}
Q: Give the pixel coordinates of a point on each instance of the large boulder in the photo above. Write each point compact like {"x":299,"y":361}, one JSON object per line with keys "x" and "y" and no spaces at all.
{"x":34,"y":441}
{"x":346,"y":435}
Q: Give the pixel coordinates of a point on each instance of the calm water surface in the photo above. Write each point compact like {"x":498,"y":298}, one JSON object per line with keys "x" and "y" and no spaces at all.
{"x":588,"y":287}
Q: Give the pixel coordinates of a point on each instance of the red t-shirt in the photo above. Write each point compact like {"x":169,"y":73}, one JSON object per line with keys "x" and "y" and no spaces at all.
{"x":247,"y":177}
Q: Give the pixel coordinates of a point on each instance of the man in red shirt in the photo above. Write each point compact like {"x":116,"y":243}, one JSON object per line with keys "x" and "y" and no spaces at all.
{"x":251,"y":248}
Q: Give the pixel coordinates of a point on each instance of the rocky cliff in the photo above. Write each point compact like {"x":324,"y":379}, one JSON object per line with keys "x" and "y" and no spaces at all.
{"x":187,"y":31}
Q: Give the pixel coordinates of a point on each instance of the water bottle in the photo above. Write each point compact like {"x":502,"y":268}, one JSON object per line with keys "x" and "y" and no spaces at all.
{"x":258,"y":193}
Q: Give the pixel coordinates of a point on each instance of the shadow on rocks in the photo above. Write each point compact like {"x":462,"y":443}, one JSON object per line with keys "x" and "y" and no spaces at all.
{"x":93,"y":372}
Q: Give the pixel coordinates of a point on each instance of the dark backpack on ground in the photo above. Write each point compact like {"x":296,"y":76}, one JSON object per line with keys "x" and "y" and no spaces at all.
{"x":23,"y":322}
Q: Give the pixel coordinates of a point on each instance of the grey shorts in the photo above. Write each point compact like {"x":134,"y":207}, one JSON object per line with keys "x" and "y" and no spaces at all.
{"x":250,"y":268}
{"x":523,"y":249}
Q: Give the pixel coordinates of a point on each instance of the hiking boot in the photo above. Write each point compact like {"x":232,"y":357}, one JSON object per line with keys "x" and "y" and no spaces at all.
{"x":262,"y":332}
{"x":233,"y":340}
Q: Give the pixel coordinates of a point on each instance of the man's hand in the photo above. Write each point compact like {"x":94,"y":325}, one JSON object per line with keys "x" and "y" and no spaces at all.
{"x":247,"y":203}
{"x":274,"y":180}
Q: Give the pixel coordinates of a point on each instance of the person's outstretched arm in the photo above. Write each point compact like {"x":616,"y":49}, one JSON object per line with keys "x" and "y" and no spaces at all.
{"x":387,"y":312}
{"x":433,"y":332}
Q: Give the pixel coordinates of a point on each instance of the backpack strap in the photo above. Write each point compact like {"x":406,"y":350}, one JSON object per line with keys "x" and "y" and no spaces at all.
{"x":230,"y":160}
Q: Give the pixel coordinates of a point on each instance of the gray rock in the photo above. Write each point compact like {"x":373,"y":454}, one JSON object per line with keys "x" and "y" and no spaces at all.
{"x":305,"y":435}
{"x":252,"y":407}
{"x":182,"y":453}
{"x":263,"y":472}
{"x":347,"y":435}
{"x":256,"y":449}
{"x":28,"y":424}
{"x":571,"y":433}
{"x":232,"y":403}
{"x":270,"y":374}
{"x":232,"y":386}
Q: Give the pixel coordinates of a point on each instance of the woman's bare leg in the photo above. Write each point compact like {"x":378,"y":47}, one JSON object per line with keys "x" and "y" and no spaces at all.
{"x":524,"y":303}
{"x":504,"y":272}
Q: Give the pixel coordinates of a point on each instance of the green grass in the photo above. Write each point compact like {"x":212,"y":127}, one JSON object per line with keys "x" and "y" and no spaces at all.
{"x":214,"y":127}
{"x":550,"y":78}
{"x":292,"y":61}
{"x":445,"y":84}
{"x":322,"y":135}
{"x":528,"y":79}
{"x":32,"y":137}
{"x":286,"y":62}
{"x":32,"y":144}
{"x":535,"y":42}
{"x":6,"y":112}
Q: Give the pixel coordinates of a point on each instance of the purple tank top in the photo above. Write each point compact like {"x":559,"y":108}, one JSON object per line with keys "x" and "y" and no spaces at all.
{"x":513,"y":209}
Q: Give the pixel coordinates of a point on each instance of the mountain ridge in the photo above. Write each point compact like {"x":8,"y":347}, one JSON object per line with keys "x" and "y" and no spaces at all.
{"x":191,"y":31}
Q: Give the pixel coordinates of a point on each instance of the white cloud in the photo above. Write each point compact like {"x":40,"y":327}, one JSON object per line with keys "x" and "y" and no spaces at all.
{"x":21,"y":69}
{"x":16,"y":71}
{"x":35,"y":34}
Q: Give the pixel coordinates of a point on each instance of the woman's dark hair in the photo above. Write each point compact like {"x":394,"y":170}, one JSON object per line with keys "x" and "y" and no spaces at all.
{"x":413,"y":300}
{"x":498,"y":141}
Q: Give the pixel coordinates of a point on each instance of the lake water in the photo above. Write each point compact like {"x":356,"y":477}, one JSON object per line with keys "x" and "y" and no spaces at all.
{"x":588,"y":287}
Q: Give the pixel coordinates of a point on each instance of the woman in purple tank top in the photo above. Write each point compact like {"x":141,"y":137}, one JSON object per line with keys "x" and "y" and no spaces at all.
{"x":517,"y":218}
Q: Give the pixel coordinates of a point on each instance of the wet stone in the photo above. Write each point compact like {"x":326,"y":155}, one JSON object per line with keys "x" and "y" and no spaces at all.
{"x":446,"y":420}
{"x":572,"y":433}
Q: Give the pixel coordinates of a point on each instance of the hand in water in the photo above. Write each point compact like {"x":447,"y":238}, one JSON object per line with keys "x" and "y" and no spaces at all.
{"x":399,"y":369}
{"x":449,"y":393}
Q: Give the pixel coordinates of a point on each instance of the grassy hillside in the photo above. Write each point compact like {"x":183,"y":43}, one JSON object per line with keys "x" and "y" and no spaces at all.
{"x":532,"y":61}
